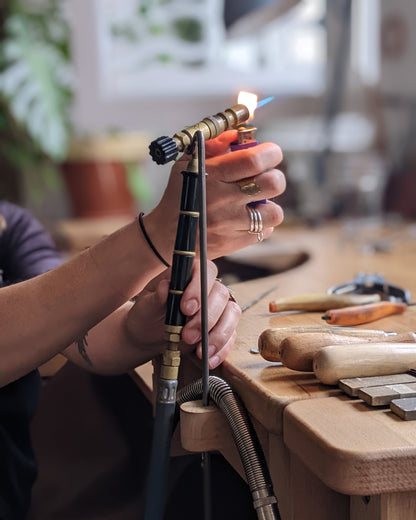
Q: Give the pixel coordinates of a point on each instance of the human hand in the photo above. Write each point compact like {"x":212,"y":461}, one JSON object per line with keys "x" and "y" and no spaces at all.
{"x":228,"y":220}
{"x":145,"y":321}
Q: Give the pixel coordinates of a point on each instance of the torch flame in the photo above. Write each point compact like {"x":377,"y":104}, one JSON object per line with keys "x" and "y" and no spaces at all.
{"x":249,"y":100}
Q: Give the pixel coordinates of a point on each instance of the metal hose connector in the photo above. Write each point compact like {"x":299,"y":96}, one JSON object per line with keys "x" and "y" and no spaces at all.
{"x":246,"y":440}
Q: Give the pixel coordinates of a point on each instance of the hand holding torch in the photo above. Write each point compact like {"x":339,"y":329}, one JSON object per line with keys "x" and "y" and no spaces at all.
{"x":192,"y":211}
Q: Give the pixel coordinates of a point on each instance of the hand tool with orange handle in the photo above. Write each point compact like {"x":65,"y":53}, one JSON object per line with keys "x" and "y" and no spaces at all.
{"x":297,"y":352}
{"x":270,"y":340}
{"x":320,"y":301}
{"x":356,"y":315}
{"x":336,"y":362}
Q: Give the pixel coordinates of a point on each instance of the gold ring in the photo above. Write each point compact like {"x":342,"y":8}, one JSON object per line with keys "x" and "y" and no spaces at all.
{"x":248,"y":186}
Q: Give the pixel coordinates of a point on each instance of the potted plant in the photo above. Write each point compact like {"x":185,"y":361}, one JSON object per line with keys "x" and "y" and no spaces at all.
{"x":37,"y":138}
{"x":35,"y":96}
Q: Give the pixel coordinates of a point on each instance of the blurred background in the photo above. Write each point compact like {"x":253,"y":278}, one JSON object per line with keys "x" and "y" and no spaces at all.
{"x":85,"y":86}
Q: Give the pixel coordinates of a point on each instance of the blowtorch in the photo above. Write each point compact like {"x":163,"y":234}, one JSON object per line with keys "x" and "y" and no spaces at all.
{"x":166,"y":149}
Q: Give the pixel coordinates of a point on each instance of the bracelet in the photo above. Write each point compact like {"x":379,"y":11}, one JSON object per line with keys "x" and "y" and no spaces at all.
{"x":146,"y":236}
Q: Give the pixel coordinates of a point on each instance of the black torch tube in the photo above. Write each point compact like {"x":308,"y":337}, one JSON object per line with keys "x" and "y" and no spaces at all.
{"x":182,"y":262}
{"x":159,"y":459}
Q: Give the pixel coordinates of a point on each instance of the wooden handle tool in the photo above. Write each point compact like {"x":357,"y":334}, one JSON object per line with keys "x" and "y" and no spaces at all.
{"x":336,"y":362}
{"x":320,"y":301}
{"x":356,"y":315}
{"x":270,"y":339}
{"x":297,"y":352}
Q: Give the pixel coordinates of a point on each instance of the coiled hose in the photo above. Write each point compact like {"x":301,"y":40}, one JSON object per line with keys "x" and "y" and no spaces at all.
{"x":246,"y":440}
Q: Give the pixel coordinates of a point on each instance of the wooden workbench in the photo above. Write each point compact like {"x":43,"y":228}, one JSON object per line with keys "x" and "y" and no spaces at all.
{"x":330,"y":457}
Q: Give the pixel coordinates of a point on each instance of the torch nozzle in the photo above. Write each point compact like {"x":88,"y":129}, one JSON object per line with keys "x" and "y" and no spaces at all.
{"x":165,"y":149}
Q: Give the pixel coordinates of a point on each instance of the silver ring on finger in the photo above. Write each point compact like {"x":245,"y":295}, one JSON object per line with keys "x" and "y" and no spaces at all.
{"x":256,"y":223}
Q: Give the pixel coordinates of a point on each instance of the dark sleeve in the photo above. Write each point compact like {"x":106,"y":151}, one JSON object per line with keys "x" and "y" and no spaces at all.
{"x":26,"y":249}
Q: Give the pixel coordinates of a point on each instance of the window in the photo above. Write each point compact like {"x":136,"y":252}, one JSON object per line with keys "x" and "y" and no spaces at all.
{"x":139,"y":41}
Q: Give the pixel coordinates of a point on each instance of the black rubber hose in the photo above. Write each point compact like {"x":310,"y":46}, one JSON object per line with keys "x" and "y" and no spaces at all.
{"x":156,"y":480}
{"x":246,"y":440}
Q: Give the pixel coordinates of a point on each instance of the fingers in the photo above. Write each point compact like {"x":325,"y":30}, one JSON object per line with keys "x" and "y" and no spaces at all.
{"x":235,"y":180}
{"x":265,"y":185}
{"x":223,"y":317}
{"x":230,"y":232}
{"x":191,"y":299}
{"x":236,"y":195}
{"x":244,"y":163}
{"x":228,"y":222}
{"x":229,"y":174}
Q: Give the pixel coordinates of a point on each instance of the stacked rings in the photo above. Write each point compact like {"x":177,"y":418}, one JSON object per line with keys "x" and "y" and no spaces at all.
{"x":256,"y":223}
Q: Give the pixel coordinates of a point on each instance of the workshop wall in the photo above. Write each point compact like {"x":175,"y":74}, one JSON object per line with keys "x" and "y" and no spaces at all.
{"x":343,"y":110}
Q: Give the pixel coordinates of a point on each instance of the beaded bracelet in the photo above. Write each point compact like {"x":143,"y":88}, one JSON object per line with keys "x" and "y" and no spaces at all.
{"x":146,"y":236}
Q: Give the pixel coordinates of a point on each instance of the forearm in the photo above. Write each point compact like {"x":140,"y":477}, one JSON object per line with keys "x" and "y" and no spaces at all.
{"x":42,"y":316}
{"x":108,"y":348}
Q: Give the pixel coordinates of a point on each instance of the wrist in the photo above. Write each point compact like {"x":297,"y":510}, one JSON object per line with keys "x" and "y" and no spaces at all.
{"x":149,"y":241}
{"x":160,"y":234}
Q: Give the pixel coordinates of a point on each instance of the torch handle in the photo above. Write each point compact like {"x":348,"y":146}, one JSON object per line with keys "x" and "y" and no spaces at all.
{"x":165,"y":406}
{"x":184,"y":251}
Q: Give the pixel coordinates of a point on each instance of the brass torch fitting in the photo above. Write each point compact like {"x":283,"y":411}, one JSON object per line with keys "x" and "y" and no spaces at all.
{"x":165,"y":149}
{"x":212,"y":126}
{"x":170,"y":363}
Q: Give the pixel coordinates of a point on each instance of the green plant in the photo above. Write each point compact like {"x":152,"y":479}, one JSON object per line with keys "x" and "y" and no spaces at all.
{"x":35,"y":91}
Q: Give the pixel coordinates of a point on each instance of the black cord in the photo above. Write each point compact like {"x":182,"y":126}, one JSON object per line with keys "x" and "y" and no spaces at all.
{"x":146,"y":236}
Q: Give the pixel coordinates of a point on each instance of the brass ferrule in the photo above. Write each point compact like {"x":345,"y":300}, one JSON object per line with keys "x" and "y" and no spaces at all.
{"x":190,"y":213}
{"x":184,"y":253}
{"x":173,"y":333}
{"x":172,"y":337}
{"x":176,"y":329}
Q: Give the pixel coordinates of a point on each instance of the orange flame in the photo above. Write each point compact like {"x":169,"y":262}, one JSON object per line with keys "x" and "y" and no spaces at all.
{"x":249,"y":100}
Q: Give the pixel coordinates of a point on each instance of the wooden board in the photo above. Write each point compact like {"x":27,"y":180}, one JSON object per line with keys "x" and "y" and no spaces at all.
{"x":354,"y":449}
